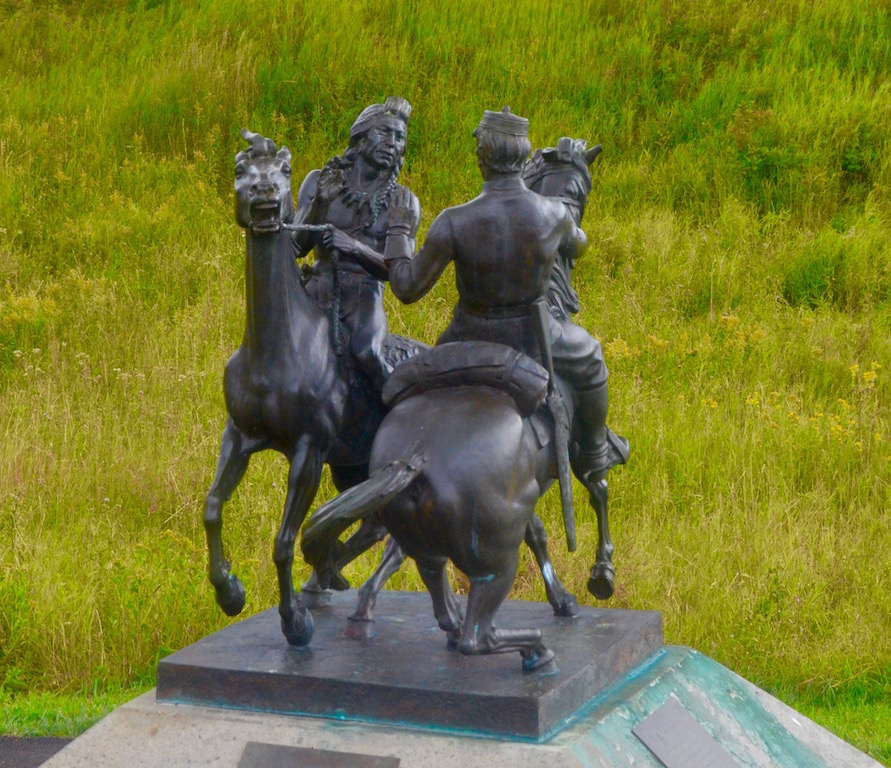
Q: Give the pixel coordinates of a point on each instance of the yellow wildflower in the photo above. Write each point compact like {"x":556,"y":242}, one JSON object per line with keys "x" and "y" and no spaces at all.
{"x":657,"y":343}
{"x":618,"y":348}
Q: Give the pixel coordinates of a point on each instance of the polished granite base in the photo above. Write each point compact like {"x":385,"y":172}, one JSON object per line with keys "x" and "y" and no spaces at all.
{"x":403,"y":674}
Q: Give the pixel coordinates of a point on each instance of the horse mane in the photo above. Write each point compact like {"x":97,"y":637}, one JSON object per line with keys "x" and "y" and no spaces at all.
{"x":567,"y":152}
{"x":260,"y":147}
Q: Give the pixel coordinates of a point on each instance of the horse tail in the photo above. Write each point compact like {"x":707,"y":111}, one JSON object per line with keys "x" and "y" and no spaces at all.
{"x":324,"y":527}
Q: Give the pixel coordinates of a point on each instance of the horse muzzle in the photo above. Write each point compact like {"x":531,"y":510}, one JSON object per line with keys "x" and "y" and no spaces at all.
{"x":266,"y":217}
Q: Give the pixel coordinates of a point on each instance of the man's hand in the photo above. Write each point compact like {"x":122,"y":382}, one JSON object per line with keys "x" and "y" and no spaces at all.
{"x":335,"y":240}
{"x":402,"y":216}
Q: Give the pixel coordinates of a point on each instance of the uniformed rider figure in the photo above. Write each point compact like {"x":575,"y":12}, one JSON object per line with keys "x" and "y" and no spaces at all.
{"x":354,"y":193}
{"x":504,"y":244}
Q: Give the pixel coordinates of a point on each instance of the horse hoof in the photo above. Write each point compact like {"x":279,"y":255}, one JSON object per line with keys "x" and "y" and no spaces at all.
{"x":600,"y":583}
{"x":230,"y":596}
{"x":361,"y":615}
{"x":365,"y":605}
{"x":566,"y":606}
{"x":359,"y":629}
{"x":299,"y":629}
{"x":540,"y":662}
{"x":315,"y":598}
{"x":452,"y":638}
{"x":326,"y":579}
{"x":338,"y":581}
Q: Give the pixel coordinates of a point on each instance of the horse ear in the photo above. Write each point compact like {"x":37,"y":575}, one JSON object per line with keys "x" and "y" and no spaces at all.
{"x":284,"y":154}
{"x":591,"y":154}
{"x":566,"y":144}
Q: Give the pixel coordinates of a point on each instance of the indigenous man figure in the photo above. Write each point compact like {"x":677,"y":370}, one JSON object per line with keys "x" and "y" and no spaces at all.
{"x":504,"y":244}
{"x":353,"y":194}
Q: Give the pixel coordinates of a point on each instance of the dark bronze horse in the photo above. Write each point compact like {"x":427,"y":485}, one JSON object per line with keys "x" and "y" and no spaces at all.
{"x":562,"y":180}
{"x":456,"y":473}
{"x":557,"y":172}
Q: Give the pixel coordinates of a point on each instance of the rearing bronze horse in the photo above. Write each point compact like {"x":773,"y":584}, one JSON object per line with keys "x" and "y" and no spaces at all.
{"x":286,"y":388}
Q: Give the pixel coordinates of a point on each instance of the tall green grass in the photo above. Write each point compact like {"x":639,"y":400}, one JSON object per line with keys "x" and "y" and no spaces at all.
{"x":739,"y":275}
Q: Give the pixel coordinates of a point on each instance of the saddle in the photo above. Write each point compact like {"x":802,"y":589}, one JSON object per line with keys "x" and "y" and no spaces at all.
{"x":477,"y":363}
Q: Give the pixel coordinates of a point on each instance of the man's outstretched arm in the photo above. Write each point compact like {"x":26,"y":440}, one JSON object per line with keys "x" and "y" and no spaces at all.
{"x":411,"y":276}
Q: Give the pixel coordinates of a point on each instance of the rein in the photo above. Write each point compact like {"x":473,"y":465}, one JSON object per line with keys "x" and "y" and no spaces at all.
{"x":336,"y":331}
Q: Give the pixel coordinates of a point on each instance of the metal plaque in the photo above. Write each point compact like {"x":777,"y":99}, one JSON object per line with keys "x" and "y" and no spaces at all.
{"x":678,"y":741}
{"x":258,"y":755}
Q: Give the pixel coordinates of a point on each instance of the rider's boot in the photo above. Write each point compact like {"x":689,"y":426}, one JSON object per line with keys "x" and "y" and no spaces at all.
{"x":599,"y":448}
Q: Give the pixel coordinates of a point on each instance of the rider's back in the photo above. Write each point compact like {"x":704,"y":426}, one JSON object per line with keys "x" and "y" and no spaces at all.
{"x":504,"y":243}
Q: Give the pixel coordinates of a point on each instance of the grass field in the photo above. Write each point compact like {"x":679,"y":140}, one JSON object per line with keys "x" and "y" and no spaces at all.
{"x":739,"y":276}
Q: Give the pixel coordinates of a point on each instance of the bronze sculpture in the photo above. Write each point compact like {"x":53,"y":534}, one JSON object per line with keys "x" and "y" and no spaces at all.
{"x":459,"y":462}
{"x":562,"y":172}
{"x":341,"y":219}
{"x":292,"y":386}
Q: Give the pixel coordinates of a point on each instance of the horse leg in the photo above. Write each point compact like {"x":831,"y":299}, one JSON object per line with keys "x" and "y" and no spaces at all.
{"x":303,"y":481}
{"x":235,"y":454}
{"x":562,"y":600}
{"x":480,"y":636}
{"x":368,"y":592}
{"x":601,"y":581}
{"x":370,"y":532}
{"x":344,"y":477}
{"x":446,"y":607}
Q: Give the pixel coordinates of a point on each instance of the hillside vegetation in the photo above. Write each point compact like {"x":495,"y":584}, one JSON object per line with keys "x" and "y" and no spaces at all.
{"x":739,"y":276}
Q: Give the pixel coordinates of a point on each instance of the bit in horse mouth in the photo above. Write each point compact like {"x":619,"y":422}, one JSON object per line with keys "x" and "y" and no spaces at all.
{"x":265,"y":217}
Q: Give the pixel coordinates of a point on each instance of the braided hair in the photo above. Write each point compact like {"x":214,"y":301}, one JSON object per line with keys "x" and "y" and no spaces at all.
{"x":334,"y":174}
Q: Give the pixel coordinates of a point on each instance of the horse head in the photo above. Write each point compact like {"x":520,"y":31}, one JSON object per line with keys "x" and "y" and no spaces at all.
{"x":263,"y":196}
{"x":562,"y":172}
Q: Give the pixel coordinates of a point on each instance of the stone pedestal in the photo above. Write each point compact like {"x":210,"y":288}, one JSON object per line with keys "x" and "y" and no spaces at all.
{"x":404,"y":674}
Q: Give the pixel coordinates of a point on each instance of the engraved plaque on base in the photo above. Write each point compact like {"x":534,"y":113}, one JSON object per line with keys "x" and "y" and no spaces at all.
{"x":678,"y":741}
{"x":258,"y":755}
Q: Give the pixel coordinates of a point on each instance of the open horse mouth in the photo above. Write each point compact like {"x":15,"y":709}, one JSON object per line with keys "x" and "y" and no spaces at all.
{"x":265,"y":216}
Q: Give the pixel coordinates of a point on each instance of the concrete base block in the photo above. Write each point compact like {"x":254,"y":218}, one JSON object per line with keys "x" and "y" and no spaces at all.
{"x":751,"y":727}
